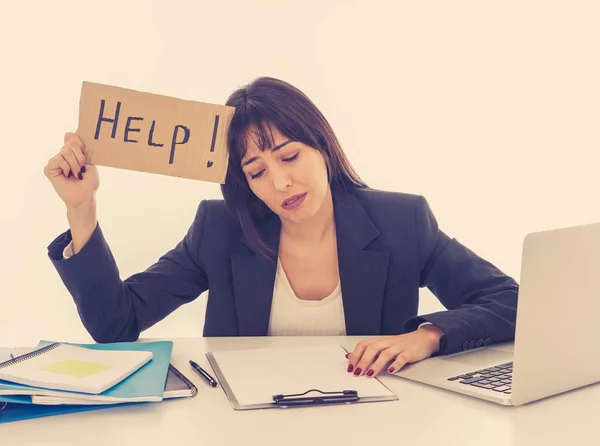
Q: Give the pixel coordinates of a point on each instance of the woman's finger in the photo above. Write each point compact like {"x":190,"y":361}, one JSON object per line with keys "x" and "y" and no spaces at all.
{"x":70,"y":158}
{"x":356,"y":354}
{"x":401,"y":360}
{"x":78,"y":153}
{"x":74,"y":137}
{"x":368,"y":357}
{"x":385,"y":357}
{"x":61,"y":164}
{"x":73,"y":141}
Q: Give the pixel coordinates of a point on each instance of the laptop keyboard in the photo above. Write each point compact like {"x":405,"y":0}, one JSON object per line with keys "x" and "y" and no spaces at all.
{"x":498,"y":378}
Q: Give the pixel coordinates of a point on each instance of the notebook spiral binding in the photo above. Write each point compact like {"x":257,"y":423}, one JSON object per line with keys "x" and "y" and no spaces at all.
{"x":30,"y":355}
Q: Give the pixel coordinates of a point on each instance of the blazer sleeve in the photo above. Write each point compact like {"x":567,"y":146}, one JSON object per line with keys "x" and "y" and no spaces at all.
{"x":115,"y":310}
{"x":481,"y":301}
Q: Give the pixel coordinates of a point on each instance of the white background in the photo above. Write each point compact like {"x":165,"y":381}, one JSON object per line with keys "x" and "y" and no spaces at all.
{"x":490,"y":109}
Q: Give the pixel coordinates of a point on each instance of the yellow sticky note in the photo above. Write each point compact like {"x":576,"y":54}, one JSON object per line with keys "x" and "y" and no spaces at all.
{"x":74,"y":367}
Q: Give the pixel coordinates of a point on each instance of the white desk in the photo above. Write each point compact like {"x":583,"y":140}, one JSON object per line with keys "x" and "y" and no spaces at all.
{"x":423,"y":415}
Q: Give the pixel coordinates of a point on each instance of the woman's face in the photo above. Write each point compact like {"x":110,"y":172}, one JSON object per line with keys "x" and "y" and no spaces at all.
{"x":290,"y":177}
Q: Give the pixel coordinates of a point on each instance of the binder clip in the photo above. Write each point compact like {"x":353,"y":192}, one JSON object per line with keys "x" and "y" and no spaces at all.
{"x":303,"y":399}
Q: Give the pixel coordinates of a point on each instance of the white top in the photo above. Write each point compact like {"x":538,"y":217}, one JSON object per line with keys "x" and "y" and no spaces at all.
{"x":291,"y":316}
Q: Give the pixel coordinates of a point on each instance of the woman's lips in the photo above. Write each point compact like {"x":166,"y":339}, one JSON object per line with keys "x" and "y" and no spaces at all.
{"x":293,"y":202}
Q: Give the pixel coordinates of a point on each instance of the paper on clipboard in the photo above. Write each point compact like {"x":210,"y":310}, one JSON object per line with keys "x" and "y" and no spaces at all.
{"x":251,"y":378}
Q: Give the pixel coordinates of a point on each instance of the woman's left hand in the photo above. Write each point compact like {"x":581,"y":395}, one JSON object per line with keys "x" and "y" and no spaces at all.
{"x":372,"y":355}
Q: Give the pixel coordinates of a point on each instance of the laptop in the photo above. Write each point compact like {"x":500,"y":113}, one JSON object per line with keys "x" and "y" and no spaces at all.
{"x":557,"y":339}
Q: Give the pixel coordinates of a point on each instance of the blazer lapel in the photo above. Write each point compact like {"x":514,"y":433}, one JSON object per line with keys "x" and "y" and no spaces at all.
{"x":253,"y":281}
{"x":363,"y":274}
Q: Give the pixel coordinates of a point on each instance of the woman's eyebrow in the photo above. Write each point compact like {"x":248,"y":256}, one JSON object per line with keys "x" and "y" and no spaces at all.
{"x":274,"y":149}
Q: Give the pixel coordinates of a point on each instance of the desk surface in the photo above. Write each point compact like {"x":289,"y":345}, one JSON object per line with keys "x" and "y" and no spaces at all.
{"x":423,"y":415}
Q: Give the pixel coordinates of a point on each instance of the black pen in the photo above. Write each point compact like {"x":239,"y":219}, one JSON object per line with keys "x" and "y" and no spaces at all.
{"x":204,"y":374}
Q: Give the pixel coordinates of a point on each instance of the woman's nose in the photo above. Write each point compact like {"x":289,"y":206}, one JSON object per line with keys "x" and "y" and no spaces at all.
{"x":281,"y":179}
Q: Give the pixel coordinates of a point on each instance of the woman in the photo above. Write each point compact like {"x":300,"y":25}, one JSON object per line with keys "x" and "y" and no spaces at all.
{"x":299,"y":246}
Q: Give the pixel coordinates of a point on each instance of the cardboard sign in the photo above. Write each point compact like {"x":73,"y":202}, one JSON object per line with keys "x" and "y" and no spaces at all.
{"x":152,"y":133}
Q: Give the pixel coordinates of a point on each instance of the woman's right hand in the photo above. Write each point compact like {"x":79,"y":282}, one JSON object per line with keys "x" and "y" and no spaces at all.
{"x":75,"y":181}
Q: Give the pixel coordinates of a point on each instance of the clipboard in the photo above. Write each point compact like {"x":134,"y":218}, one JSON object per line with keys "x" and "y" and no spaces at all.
{"x":272,"y":378}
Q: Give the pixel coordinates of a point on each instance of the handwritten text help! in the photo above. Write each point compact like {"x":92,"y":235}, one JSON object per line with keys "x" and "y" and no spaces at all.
{"x":145,"y":132}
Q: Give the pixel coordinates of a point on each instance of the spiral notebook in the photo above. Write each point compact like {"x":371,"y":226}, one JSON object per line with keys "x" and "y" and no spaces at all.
{"x":288,"y":377}
{"x":146,"y":384}
{"x":176,"y":386}
{"x":72,"y":368}
{"x":19,"y":407}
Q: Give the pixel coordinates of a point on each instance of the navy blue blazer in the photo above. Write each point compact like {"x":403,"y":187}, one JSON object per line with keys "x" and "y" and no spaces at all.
{"x":389,"y":245}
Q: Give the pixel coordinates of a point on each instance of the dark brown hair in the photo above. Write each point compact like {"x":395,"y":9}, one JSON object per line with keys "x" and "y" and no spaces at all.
{"x":261,"y":105}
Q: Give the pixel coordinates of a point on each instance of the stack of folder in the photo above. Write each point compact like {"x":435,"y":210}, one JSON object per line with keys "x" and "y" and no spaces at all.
{"x":55,"y":378}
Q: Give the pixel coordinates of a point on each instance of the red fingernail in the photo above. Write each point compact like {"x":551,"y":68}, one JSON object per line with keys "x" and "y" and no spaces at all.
{"x":350,"y":368}
{"x":347,"y":354}
{"x":370,"y":372}
{"x":391,"y":370}
{"x":357,"y":371}
{"x":82,"y":169}
{"x":80,"y":176}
